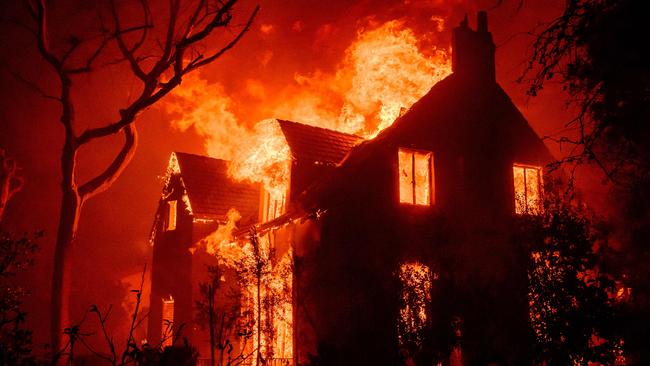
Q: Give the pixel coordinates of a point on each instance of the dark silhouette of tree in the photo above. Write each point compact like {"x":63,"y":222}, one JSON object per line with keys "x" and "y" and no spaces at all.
{"x":573,"y":300}
{"x":220,"y":310}
{"x":10,"y":181}
{"x":157,"y":58}
{"x":596,"y":49}
{"x":16,"y":255}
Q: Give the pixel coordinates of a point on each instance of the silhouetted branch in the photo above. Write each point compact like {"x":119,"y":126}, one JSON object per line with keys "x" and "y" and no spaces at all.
{"x":104,"y":180}
{"x":10,"y":181}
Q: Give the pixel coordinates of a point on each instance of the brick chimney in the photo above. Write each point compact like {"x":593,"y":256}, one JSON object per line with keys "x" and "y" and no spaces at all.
{"x":473,"y":50}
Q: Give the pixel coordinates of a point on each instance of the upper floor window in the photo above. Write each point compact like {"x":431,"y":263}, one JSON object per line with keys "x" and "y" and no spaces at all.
{"x":170,"y":220}
{"x":528,"y":189}
{"x":415,"y":177}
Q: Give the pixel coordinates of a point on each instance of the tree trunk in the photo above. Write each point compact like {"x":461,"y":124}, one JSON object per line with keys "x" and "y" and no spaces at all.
{"x":259,"y":318}
{"x":67,"y":230}
{"x":211,"y":322}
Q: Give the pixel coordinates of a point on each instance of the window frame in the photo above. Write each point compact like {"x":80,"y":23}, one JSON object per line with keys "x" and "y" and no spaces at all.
{"x":540,"y":188}
{"x":431,"y":181}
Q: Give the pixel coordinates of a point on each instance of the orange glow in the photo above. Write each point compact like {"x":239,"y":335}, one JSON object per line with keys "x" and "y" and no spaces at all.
{"x":382,"y":73}
{"x":220,"y":242}
{"x":415,"y":177}
{"x":167,"y":321}
{"x":528,"y":189}
{"x":170,"y":223}
{"x":275,"y":285}
{"x":416,"y":279}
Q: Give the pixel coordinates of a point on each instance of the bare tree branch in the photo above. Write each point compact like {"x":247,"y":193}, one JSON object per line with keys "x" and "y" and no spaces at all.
{"x":10,"y":181}
{"x":201,"y":62}
{"x":104,"y":180}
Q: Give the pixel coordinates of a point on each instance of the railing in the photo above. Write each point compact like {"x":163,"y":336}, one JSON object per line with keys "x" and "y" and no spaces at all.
{"x":273,"y":362}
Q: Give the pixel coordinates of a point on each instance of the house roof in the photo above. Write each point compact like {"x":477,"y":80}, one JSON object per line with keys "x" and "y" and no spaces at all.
{"x":316,"y":144}
{"x":211,"y":190}
{"x":456,"y":111}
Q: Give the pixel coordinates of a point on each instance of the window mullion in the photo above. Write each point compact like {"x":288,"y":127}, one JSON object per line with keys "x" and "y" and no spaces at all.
{"x":413,"y":176}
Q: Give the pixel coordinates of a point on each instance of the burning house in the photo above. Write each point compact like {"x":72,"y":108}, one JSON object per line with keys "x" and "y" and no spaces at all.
{"x":398,"y":247}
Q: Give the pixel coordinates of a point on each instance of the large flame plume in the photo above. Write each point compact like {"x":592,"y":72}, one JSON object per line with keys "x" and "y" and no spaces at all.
{"x":382,"y":73}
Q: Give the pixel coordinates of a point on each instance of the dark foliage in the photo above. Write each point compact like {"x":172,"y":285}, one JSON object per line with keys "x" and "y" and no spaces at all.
{"x":16,"y":255}
{"x":597,"y":50}
{"x":573,"y":300}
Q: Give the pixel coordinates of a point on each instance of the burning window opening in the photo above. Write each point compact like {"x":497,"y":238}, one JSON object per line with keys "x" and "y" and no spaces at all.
{"x":415,"y":177}
{"x":170,"y":222}
{"x":167,"y":321}
{"x":415,"y":279}
{"x":272,"y":205}
{"x":528,"y":189}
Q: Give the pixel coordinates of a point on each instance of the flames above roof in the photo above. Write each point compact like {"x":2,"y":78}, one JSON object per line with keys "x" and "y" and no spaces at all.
{"x":212,"y":190}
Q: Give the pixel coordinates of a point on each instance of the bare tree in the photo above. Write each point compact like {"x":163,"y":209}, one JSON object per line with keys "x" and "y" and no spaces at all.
{"x":10,"y":181}
{"x":180,"y":50}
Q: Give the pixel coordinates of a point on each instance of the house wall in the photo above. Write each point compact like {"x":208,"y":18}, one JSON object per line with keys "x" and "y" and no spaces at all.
{"x":348,"y":293}
{"x":171,"y":272}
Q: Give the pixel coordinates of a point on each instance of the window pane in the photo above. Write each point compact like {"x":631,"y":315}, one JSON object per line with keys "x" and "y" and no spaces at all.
{"x":171,"y":215}
{"x":533,"y":199}
{"x":520,"y":189}
{"x":422,"y":178}
{"x":405,"y":176}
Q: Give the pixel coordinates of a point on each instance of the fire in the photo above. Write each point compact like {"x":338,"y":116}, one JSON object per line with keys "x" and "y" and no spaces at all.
{"x":259,"y":265}
{"x":264,"y":158}
{"x":389,"y":73}
{"x":416,"y":279}
{"x":382,"y":73}
{"x":220,"y":242}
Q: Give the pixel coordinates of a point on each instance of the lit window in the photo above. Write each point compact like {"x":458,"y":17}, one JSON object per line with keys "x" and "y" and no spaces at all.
{"x":528,"y":189}
{"x":167,"y":321}
{"x":415,"y":301}
{"x":415,"y":177}
{"x":170,"y":223}
{"x":273,"y":205}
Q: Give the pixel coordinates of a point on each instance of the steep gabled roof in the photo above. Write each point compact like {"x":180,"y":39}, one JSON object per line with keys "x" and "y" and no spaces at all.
{"x":316,"y":144}
{"x":212,"y":192}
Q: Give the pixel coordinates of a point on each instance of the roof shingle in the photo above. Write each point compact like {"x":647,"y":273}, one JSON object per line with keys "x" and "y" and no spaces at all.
{"x":317,"y":145}
{"x":212,"y":192}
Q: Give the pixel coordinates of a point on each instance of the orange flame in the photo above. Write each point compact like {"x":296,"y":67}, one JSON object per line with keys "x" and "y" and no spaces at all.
{"x":382,"y":73}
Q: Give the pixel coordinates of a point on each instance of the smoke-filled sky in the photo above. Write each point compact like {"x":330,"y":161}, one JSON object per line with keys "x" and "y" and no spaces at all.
{"x":312,"y":61}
